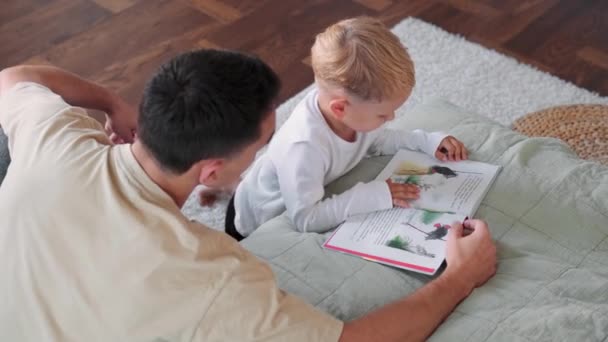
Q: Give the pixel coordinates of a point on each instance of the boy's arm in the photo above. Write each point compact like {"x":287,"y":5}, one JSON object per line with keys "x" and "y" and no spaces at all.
{"x":390,"y":141}
{"x":76,"y":92}
{"x":301,"y":173}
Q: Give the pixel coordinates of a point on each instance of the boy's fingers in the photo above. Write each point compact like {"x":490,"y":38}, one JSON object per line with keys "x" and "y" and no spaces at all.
{"x":404,"y":195}
{"x":461,"y":149}
{"x":449,"y":146}
{"x":457,"y":150}
{"x":411,"y":187}
{"x":440,"y":154}
{"x":404,"y":187}
{"x":400,"y":203}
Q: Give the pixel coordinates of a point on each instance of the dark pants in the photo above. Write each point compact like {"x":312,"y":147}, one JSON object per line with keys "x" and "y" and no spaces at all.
{"x":5,"y":159}
{"x":229,"y":225}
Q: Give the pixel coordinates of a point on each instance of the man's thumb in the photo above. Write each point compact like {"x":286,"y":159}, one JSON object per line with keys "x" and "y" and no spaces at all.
{"x":455,"y":231}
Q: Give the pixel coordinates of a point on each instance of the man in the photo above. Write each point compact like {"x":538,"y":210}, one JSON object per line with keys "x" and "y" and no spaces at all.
{"x":93,"y":246}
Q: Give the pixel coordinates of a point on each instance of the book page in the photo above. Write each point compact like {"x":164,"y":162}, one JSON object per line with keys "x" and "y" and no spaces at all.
{"x":406,"y":238}
{"x":456,"y":187}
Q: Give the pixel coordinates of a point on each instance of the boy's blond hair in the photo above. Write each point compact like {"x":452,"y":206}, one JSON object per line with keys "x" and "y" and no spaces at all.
{"x":363,"y":57}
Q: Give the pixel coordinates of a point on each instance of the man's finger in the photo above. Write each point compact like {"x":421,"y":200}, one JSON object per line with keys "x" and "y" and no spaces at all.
{"x":108,"y":128}
{"x":126,"y":135}
{"x":116,"y":139}
{"x":477,"y":227}
{"x":455,"y":231}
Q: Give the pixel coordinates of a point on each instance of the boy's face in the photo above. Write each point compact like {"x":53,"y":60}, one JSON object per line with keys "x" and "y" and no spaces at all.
{"x":366,"y":116}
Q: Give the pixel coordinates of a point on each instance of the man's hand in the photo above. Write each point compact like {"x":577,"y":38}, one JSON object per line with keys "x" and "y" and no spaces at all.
{"x":403,"y":193}
{"x":451,"y":149}
{"x":471,"y":257}
{"x":121,"y":122}
{"x":471,"y":262}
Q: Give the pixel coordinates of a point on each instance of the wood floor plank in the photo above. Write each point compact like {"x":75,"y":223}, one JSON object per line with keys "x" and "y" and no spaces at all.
{"x":399,"y":10}
{"x":376,"y":5}
{"x":217,"y":9}
{"x":513,"y":21}
{"x":124,"y":35}
{"x":560,"y":50}
{"x":116,"y":6}
{"x":128,"y":76}
{"x":247,"y":6}
{"x":544,"y":26}
{"x":14,"y":9}
{"x":478,"y":8}
{"x":295,"y":71}
{"x":453,"y":19}
{"x":594,"y":56}
{"x":41,"y":29}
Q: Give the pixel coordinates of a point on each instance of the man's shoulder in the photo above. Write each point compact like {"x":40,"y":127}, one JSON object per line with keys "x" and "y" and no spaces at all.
{"x":28,"y":100}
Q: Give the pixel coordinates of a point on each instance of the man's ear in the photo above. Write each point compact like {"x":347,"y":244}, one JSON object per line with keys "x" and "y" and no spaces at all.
{"x":209,"y":171}
{"x":338,"y":107}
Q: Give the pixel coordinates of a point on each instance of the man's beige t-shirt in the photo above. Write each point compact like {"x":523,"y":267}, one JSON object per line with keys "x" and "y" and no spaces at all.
{"x":92,"y":250}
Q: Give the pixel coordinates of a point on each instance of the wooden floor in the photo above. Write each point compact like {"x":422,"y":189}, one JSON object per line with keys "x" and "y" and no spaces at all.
{"x":120,"y":42}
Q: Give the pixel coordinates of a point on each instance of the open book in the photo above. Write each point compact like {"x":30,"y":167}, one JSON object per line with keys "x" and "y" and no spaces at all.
{"x":414,"y":239}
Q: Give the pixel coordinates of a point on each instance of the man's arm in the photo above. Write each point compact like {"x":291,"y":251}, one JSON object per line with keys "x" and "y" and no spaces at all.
{"x":75,"y":91}
{"x":415,"y":317}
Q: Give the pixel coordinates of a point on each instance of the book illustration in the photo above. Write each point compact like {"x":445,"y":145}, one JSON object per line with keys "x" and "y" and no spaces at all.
{"x":430,"y":216}
{"x":440,"y":231}
{"x":426,"y":178}
{"x":405,"y":243}
{"x":408,"y":168}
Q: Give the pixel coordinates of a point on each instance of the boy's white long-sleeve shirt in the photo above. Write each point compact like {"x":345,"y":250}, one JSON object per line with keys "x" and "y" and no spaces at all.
{"x":303,"y":157}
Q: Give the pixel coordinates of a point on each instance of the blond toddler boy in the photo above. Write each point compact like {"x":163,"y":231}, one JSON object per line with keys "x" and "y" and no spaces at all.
{"x":362,"y":75}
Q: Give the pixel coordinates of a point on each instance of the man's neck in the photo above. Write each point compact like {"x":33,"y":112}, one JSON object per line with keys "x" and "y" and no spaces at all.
{"x":178,"y":187}
{"x":337,"y":126}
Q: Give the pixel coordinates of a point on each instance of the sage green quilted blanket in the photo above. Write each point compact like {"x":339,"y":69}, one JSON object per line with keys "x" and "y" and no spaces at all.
{"x":548,"y":212}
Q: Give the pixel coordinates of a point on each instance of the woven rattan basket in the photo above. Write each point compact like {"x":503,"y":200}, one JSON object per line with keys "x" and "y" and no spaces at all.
{"x":583,"y":127}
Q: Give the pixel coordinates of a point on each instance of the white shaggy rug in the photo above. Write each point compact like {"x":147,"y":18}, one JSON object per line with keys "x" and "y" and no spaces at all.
{"x":464,"y":73}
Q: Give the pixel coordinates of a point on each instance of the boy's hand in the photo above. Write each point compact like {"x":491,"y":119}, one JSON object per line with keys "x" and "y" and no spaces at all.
{"x":451,"y":149}
{"x":403,"y":193}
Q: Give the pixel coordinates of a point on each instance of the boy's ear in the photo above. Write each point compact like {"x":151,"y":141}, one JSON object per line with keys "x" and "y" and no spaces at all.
{"x":209,"y":171}
{"x":338,"y":107}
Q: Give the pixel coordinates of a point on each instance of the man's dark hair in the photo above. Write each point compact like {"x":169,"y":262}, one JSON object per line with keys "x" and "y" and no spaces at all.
{"x":205,"y":104}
